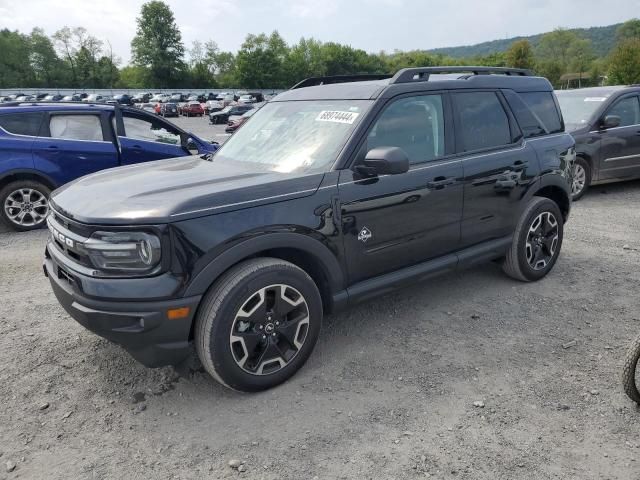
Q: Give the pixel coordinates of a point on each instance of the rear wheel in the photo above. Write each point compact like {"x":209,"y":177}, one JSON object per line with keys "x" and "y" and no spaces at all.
{"x":258,"y":324}
{"x":536,"y":242}
{"x":581,"y":178}
{"x":25,"y":205}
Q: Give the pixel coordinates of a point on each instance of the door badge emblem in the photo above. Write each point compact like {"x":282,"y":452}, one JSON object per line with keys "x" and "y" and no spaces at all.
{"x":364,"y":235}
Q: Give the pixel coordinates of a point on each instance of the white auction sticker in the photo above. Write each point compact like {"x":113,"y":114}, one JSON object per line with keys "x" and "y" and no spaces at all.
{"x":595,"y":99}
{"x":337,"y":116}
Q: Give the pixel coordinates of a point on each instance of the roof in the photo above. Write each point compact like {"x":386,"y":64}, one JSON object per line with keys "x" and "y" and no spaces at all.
{"x":415,"y":79}
{"x":11,"y":107}
{"x":592,"y":91}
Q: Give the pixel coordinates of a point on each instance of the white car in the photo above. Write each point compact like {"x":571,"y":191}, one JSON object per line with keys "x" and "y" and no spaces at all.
{"x":160,"y":98}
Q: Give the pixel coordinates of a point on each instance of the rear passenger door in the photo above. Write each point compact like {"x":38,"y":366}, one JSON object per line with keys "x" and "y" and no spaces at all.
{"x":496,"y":163}
{"x":394,"y":221}
{"x":73,"y":144}
{"x":145,"y":137}
{"x":620,"y":146}
{"x":17,"y":134}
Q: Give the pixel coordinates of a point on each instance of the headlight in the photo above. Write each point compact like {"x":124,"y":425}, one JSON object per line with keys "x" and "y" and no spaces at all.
{"x":125,"y":252}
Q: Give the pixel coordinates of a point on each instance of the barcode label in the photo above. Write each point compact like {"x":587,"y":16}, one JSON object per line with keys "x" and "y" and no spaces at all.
{"x":337,"y":116}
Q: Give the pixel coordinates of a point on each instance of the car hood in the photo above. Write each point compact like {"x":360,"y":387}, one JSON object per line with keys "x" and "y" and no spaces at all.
{"x":176,"y":189}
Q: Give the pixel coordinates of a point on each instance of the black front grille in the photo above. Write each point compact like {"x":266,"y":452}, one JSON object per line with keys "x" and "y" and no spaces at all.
{"x":68,"y":238}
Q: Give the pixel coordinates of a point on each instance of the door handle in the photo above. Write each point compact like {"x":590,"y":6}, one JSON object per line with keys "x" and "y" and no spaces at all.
{"x":520,"y":164}
{"x":137,"y":148}
{"x":439,"y":183}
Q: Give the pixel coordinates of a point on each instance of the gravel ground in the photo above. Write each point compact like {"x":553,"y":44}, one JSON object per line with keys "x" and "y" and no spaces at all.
{"x":461,"y":377}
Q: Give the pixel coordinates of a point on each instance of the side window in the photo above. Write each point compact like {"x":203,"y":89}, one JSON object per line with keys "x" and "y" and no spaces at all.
{"x":415,"y":124}
{"x":628,"y":110}
{"x":544,"y":107}
{"x":529,"y":123}
{"x":149,"y":130}
{"x":483,"y":121}
{"x":22,"y":123}
{"x":76,"y":127}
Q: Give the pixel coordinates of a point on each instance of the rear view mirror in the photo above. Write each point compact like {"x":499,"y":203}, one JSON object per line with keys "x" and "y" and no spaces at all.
{"x":192,"y":146}
{"x":384,"y":161}
{"x":611,"y":121}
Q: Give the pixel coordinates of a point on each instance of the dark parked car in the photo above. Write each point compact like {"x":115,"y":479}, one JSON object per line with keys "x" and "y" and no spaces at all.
{"x":169,"y":110}
{"x":232,"y":110}
{"x":331,"y":194}
{"x":605,"y":122}
{"x":41,"y":96}
{"x":123,"y":99}
{"x":141,"y":98}
{"x":45,"y":146}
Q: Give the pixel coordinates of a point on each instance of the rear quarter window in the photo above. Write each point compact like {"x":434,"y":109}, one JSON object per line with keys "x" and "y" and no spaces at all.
{"x":544,"y":107}
{"x":27,"y":123}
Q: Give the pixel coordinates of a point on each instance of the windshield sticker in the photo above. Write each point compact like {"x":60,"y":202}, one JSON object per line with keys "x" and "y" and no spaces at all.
{"x":595,"y":99}
{"x":337,"y":116}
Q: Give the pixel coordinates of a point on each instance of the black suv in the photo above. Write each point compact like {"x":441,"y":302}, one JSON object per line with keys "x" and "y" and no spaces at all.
{"x":337,"y":191}
{"x":605,"y":122}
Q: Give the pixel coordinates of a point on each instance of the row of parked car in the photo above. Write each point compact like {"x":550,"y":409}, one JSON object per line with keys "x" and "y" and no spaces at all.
{"x":126,"y":99}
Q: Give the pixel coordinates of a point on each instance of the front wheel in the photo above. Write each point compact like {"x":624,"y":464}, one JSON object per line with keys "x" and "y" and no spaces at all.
{"x":629,"y":372}
{"x":258,"y":324}
{"x":536,"y":241}
{"x":25,"y":205}
{"x":581,"y":173}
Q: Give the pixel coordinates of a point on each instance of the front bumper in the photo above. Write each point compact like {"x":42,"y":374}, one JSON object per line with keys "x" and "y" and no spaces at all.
{"x":141,"y":328}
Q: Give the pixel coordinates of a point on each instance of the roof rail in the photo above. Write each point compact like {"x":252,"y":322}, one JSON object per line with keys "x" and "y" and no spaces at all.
{"x":422,"y":74}
{"x":315,"y":81}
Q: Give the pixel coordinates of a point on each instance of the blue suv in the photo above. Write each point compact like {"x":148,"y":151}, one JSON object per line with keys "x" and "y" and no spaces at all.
{"x":44,"y":146}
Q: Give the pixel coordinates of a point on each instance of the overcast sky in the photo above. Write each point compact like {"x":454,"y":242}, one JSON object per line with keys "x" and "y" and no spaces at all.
{"x":372,"y":25}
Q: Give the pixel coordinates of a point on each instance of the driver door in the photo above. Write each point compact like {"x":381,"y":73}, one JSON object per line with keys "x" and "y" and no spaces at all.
{"x":395,"y":221}
{"x":145,"y":138}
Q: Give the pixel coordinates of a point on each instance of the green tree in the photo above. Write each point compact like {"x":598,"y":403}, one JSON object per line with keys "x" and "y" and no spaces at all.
{"x":14,"y":70}
{"x":624,"y":66}
{"x":158,"y":45}
{"x":582,"y":57}
{"x":133,"y":77}
{"x":629,"y":29}
{"x":555,"y":46}
{"x":260,"y":61}
{"x":520,"y":55}
{"x":47,"y":68}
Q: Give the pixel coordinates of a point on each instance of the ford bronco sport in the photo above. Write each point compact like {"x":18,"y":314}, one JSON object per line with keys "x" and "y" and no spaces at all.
{"x":336,"y":191}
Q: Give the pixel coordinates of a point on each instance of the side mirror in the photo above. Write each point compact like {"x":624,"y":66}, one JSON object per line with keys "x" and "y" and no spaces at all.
{"x":611,"y":121}
{"x":191,"y":145}
{"x":384,"y":161}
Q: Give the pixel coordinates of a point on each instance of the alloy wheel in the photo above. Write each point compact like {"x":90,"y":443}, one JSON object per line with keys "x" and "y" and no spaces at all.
{"x":26,"y":207}
{"x":542,"y":240}
{"x":269,"y":329}
{"x":579,"y":179}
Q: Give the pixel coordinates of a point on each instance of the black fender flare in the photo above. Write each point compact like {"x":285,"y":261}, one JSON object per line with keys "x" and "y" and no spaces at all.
{"x":332,"y":269}
{"x":550,"y":180}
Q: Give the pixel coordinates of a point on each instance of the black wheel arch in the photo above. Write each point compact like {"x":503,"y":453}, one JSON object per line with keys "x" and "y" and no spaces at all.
{"x":308,"y":253}
{"x":554,"y":187}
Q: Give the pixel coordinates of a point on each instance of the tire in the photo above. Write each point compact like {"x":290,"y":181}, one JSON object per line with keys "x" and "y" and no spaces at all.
{"x":581,"y":171}
{"x":240,"y":354}
{"x":629,"y":371}
{"x":15,"y":193}
{"x":522,"y":261}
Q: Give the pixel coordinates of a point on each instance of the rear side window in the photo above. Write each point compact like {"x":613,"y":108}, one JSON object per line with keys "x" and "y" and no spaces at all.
{"x":530,"y":124}
{"x":483,"y":121}
{"x":22,"y":123}
{"x":544,"y":107}
{"x":628,"y":110}
{"x":76,"y":127}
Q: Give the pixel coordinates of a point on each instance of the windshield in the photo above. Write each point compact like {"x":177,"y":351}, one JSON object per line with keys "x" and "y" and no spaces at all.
{"x":578,"y":107}
{"x":303,"y":136}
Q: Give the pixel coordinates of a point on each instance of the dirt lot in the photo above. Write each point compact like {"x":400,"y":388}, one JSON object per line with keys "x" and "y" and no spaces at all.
{"x":388,"y":393}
